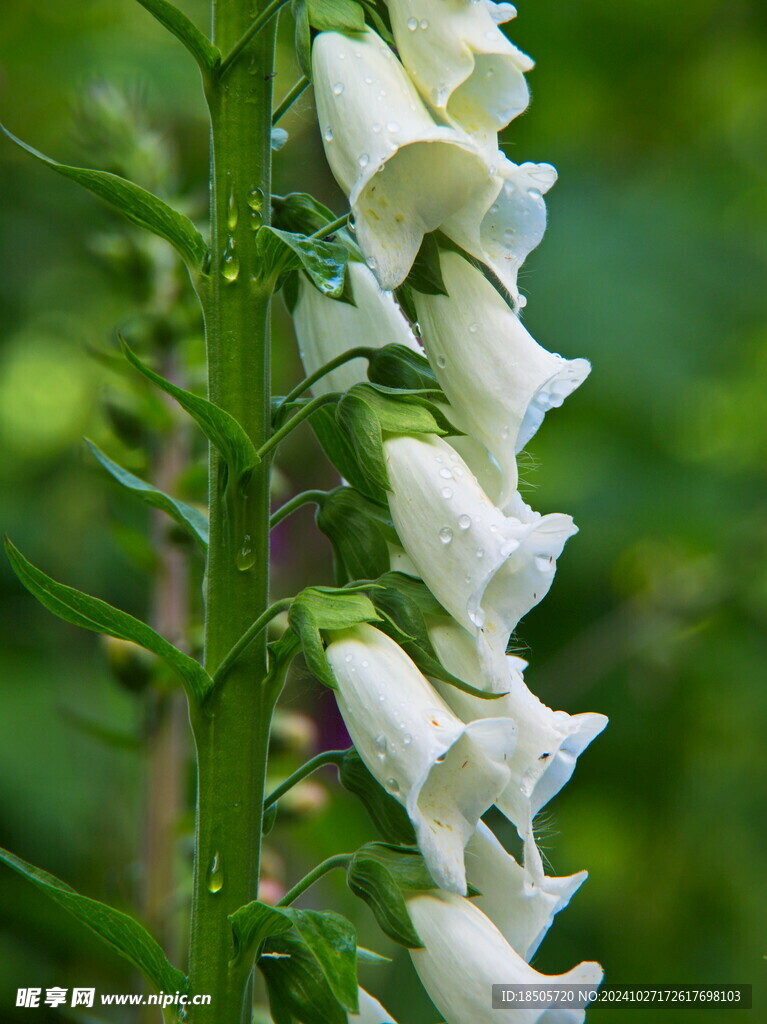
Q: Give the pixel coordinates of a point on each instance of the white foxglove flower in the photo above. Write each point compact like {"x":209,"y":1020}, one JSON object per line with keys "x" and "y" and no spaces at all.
{"x":444,"y":772}
{"x":326,"y":328}
{"x":486,"y":568}
{"x":548,"y":742}
{"x":464,"y":955}
{"x":462,"y":64}
{"x":403,"y":173}
{"x":371,"y":1011}
{"x":499,"y":381}
{"x":521,"y":903}
{"x":501,"y":233}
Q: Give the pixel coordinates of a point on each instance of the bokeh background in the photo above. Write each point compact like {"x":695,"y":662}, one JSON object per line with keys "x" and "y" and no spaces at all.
{"x":653,"y":267}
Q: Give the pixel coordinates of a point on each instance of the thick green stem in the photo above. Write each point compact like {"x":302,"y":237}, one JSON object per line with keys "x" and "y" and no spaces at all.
{"x":231,"y":729}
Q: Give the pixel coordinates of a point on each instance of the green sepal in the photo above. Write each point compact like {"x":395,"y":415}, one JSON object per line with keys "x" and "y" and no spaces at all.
{"x":177,"y":23}
{"x":339,"y":447}
{"x":120,"y":932}
{"x":426,"y":273}
{"x":324,"y":261}
{"x":404,"y":602}
{"x":380,"y":874}
{"x":358,"y":530}
{"x":336,"y":15}
{"x":188,"y":518}
{"x":332,"y":941}
{"x":99,"y":617}
{"x":379,"y":16}
{"x":252,"y":924}
{"x":139,"y":206}
{"x":325,"y":608}
{"x":220,"y":427}
{"x":389,"y":817}
{"x":369,"y":958}
{"x":397,"y":366}
{"x":299,"y":211}
{"x":303,"y":37}
{"x":296,"y":985}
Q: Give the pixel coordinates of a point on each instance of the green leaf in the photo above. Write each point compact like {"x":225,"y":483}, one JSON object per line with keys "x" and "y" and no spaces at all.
{"x":332,"y":940}
{"x":369,"y":958}
{"x":91,"y":613}
{"x":318,"y":608}
{"x":388,"y":816}
{"x":177,"y":23}
{"x":187,"y":517}
{"x":324,"y":261}
{"x":254,"y":923}
{"x":220,"y":427}
{"x":120,"y":932}
{"x":363,"y":432}
{"x":380,"y":874}
{"x":426,"y":274}
{"x":339,"y":446}
{"x":399,"y":367}
{"x":336,"y":15}
{"x":379,"y":16}
{"x":296,"y":985}
{"x":299,"y":211}
{"x":358,"y":530}
{"x":135,"y":203}
{"x":303,"y":38}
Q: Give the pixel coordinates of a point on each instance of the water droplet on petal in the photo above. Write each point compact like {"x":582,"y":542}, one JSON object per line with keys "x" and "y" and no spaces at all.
{"x":464,"y":522}
{"x":473,"y":328}
{"x":446,"y":493}
{"x":412,"y":24}
{"x":348,"y":658}
{"x":445,"y":534}
{"x":377,"y":128}
{"x":392,"y":126}
{"x":371,"y":262}
{"x":338,"y":88}
{"x":363,"y":160}
{"x":381,"y":745}
{"x":328,"y":134}
{"x":392,"y":785}
{"x":424,"y":23}
{"x":441,"y":362}
{"x":480,"y":552}
{"x":446,"y":473}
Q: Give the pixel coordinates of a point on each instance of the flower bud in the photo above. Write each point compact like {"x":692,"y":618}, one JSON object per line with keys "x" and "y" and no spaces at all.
{"x":462,"y":64}
{"x":499,"y":381}
{"x":326,"y":328}
{"x":486,"y":568}
{"x":403,"y":173}
{"x":464,"y":954}
{"x":445,"y":773}
{"x":519,"y":901}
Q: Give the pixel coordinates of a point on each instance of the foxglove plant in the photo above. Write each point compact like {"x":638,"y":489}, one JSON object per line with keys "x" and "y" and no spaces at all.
{"x":437,"y":556}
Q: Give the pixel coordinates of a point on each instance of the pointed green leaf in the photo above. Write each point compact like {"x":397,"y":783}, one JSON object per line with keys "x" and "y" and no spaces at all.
{"x":252,"y":924}
{"x":120,"y":932}
{"x":299,"y":211}
{"x":318,"y":608}
{"x":358,"y":530}
{"x":220,"y":427}
{"x":336,"y":15}
{"x":177,"y":23}
{"x":379,"y":16}
{"x":388,"y":816}
{"x":187,"y":517}
{"x":91,"y":613}
{"x":369,"y":958}
{"x":399,"y":367}
{"x":339,"y":446}
{"x":303,"y":39}
{"x":324,"y":261}
{"x":380,"y":874}
{"x":296,"y":985}
{"x":135,"y":203}
{"x":363,"y":431}
{"x":332,"y":940}
{"x":426,"y":273}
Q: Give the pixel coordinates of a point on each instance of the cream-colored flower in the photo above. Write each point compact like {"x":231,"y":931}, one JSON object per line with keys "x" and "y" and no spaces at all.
{"x":404,"y":174}
{"x":445,"y":773}
{"x":464,"y":955}
{"x":371,"y":1011}
{"x":499,"y":381}
{"x":327,"y":328}
{"x":462,"y":64}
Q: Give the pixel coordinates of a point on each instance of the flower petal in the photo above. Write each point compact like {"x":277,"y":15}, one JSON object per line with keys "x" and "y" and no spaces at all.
{"x":371,"y":1011}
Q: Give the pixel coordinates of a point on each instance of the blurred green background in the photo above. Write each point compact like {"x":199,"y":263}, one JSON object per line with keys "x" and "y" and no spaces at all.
{"x":655,"y":115}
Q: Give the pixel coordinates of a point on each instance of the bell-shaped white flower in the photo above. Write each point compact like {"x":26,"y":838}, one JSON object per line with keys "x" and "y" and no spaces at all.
{"x":444,"y":772}
{"x":462,"y":64}
{"x":464,"y":955}
{"x":499,"y":381}
{"x":486,"y":568}
{"x":404,"y":174}
{"x":501,"y":233}
{"x":521,"y":903}
{"x":326,"y":328}
{"x":371,"y":1011}
{"x":548,"y":742}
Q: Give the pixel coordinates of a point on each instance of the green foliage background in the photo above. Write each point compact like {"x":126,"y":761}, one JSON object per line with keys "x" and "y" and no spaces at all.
{"x":655,"y":115}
